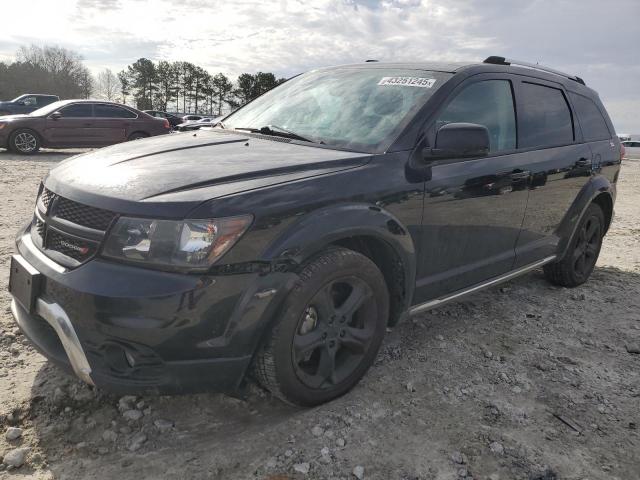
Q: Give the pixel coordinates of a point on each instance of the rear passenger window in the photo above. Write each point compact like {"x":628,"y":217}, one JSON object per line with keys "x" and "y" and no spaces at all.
{"x":593,"y":125}
{"x":488,"y":103}
{"x":111,"y":111}
{"x":78,"y":110}
{"x":545,"y":118}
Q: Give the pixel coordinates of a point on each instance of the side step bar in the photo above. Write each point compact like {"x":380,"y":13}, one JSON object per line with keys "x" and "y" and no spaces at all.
{"x":438,"y":302}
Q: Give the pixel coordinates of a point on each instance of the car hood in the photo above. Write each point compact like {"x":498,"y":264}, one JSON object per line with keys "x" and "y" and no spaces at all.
{"x":13,"y":117}
{"x":188,"y":167}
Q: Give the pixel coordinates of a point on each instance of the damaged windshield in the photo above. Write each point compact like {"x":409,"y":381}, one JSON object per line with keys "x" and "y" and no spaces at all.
{"x":360,"y":109}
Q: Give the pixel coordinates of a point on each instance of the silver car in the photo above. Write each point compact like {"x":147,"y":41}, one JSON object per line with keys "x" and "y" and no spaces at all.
{"x":632,"y":148}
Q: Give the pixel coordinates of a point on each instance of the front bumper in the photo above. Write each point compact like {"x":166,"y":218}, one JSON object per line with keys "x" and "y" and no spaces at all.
{"x":57,"y":318}
{"x":4,"y":138}
{"x":132,"y":330}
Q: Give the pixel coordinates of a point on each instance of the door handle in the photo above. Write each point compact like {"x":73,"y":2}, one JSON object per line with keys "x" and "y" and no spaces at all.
{"x":520,"y":175}
{"x":583,"y":162}
{"x":87,"y":124}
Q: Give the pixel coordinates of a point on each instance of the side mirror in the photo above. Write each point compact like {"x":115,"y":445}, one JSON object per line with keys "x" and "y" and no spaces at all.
{"x":460,"y":140}
{"x":55,"y":116}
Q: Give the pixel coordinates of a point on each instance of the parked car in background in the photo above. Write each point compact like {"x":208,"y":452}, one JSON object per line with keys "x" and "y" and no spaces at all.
{"x":285,"y":242}
{"x":77,"y":124}
{"x":624,"y":137}
{"x":174,"y":120}
{"x":198,"y":124}
{"x":191,"y":118}
{"x":632,"y":149}
{"x":26,"y":103}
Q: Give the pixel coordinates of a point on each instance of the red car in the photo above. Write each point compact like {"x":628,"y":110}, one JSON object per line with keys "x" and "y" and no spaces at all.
{"x":77,"y":124}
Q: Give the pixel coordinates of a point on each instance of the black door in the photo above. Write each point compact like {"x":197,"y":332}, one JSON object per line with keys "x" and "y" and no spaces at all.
{"x":559,"y":161}
{"x":473,"y":208}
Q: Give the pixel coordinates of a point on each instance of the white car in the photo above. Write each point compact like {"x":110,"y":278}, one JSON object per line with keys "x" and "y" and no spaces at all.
{"x":632,"y":148}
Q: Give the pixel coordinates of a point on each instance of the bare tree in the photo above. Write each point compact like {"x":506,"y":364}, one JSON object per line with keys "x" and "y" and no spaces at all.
{"x":63,"y":69}
{"x":107,"y":85}
{"x":86,"y":83}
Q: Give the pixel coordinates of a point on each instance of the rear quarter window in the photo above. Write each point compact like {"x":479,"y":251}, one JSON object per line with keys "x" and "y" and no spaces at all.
{"x":593,"y":125}
{"x":544,"y":117}
{"x":112,"y":111}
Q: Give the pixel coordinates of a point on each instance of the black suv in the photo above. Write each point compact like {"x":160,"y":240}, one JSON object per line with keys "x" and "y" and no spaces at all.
{"x":27,"y":103}
{"x":282,"y":243}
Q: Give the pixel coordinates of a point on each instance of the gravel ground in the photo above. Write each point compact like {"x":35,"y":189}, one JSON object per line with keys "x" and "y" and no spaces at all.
{"x":523,"y":381}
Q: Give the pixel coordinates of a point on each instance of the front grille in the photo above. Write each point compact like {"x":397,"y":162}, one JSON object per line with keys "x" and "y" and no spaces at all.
{"x":84,"y":215}
{"x":72,"y":247}
{"x":67,"y":239}
{"x":46,"y":197}
{"x":39,"y":224}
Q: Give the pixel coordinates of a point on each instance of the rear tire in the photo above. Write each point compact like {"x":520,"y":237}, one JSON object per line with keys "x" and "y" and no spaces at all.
{"x":578,"y":263}
{"x":24,"y":142}
{"x":329,"y":331}
{"x":137,"y":136}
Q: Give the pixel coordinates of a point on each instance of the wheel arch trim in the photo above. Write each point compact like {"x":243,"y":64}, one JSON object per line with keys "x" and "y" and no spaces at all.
{"x":329,"y":226}
{"x":597,"y":186}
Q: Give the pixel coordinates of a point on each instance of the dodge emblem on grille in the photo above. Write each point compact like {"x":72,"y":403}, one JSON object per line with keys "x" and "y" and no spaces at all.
{"x":77,"y":248}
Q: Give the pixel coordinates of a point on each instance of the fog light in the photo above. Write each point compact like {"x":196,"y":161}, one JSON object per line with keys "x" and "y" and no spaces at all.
{"x":118,"y":358}
{"x":130,"y":358}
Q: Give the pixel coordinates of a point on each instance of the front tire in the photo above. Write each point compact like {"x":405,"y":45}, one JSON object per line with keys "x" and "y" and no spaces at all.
{"x":578,"y":263}
{"x":24,"y":142}
{"x":329,"y":332}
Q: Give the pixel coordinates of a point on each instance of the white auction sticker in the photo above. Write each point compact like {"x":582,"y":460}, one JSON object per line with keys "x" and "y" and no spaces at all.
{"x":408,"y":81}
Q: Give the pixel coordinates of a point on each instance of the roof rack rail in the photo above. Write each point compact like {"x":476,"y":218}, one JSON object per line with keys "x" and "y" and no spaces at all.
{"x":495,"y":60}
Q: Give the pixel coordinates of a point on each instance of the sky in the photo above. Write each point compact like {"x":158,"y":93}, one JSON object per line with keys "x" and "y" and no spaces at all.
{"x":594,"y":39}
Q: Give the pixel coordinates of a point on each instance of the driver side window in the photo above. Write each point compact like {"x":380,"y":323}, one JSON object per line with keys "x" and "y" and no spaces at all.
{"x":488,"y":103}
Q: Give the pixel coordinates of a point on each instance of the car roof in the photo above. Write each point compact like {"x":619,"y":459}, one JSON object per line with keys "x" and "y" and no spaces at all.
{"x":475,"y":67}
{"x":448,"y":67}
{"x":84,"y":100}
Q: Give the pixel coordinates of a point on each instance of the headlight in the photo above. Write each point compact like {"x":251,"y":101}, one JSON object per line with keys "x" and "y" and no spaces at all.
{"x":191,"y":244}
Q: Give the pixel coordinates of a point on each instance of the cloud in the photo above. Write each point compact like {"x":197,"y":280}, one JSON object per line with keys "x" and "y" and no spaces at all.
{"x":594,"y":40}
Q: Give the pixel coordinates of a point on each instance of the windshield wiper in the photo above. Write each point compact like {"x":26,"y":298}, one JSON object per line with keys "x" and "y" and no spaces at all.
{"x":277,"y":132}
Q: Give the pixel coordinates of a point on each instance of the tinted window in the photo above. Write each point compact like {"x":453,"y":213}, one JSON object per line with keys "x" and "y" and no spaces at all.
{"x":42,"y":101}
{"x":79,"y":110}
{"x":488,"y":103}
{"x":592,"y":123}
{"x":111,"y":111}
{"x":545,"y":119}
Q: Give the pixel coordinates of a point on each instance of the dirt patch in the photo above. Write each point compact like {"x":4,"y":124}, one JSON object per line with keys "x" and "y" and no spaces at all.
{"x":524,"y":381}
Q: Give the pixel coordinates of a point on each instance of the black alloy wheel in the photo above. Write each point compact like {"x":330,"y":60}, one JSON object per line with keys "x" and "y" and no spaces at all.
{"x":587,"y":247}
{"x":334,"y":332}
{"x":329,"y":332}
{"x":580,"y":259}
